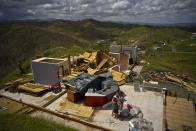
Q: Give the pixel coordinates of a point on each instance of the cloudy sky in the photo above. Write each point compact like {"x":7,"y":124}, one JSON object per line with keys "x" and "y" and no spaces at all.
{"x":143,"y":11}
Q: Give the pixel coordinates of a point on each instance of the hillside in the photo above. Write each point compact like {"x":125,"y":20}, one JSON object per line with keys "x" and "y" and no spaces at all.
{"x":21,"y":41}
{"x":176,"y":56}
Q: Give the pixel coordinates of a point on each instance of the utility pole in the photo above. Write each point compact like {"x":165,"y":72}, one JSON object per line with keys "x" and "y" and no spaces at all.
{"x":121,"y":50}
{"x":69,"y":64}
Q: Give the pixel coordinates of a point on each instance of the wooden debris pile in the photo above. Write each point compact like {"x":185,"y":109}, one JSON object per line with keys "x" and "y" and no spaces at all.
{"x":181,"y":80}
{"x":12,"y":86}
{"x":94,"y":63}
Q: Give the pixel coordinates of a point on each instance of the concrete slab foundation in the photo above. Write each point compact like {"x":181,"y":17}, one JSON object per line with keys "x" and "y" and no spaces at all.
{"x":151,"y":105}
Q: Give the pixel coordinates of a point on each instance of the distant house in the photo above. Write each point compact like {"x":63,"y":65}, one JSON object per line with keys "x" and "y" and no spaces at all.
{"x":47,"y":71}
{"x":156,"y":48}
{"x":126,"y":55}
{"x":193,"y":36}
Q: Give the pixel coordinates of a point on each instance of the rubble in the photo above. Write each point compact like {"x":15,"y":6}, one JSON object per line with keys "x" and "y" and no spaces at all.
{"x":12,"y":85}
{"x":93,"y":63}
{"x":181,"y":80}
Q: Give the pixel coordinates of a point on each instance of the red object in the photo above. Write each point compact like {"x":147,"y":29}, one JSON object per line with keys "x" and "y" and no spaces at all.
{"x":129,"y":106}
{"x":54,"y":86}
{"x":124,"y":61}
{"x":114,"y":100}
{"x":96,"y":101}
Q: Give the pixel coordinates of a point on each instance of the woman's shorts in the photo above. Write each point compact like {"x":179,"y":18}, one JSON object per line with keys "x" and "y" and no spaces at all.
{"x":115,"y":108}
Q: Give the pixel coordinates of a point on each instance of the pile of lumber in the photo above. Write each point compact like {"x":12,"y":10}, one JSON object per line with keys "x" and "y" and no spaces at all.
{"x":188,"y":85}
{"x":32,"y":88}
{"x":94,"y":63}
{"x":119,"y":77}
{"x":12,"y":85}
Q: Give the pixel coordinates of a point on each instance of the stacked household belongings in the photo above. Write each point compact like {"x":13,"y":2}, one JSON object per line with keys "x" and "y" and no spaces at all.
{"x":131,"y":112}
{"x":140,"y":124}
{"x":98,"y":90}
{"x":100,"y":97}
{"x":78,"y":86}
{"x":136,"y":120}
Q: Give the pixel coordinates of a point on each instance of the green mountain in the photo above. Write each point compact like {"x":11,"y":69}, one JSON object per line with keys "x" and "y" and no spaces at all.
{"x":21,"y":41}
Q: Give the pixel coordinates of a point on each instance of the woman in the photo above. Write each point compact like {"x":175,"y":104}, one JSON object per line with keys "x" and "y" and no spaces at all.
{"x":115,"y":105}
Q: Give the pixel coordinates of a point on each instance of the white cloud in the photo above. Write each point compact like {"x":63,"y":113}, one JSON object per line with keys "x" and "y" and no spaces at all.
{"x":84,"y":6}
{"x":120,"y":4}
{"x":46,"y":5}
{"x":31,"y":11}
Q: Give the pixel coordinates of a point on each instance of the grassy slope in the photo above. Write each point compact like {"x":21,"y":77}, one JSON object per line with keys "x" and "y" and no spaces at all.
{"x":16,"y":122}
{"x":178,"y":57}
{"x":148,"y":35}
{"x":61,"y":52}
